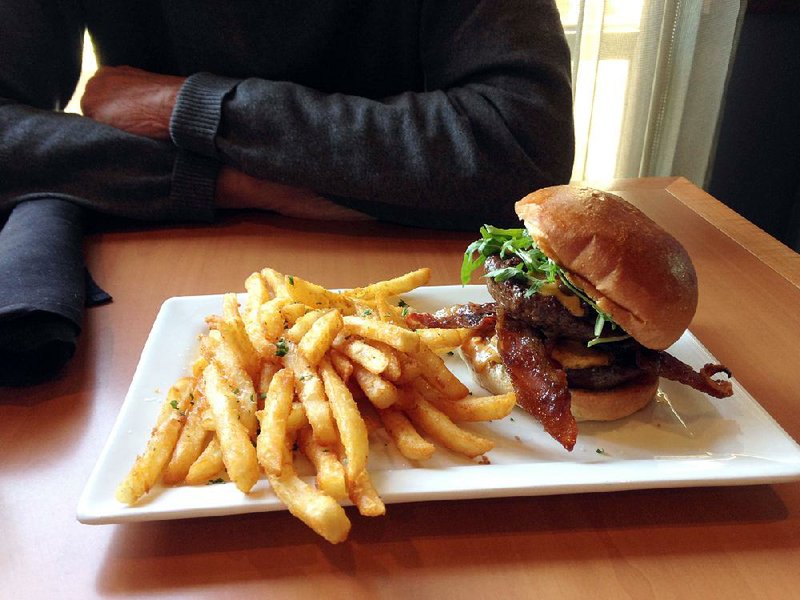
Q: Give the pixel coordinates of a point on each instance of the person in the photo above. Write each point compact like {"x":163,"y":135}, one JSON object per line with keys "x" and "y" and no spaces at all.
{"x":426,"y":113}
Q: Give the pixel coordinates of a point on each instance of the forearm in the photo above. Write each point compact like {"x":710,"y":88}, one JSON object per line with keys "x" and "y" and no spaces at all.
{"x":420,"y":156}
{"x":54,"y":154}
{"x":44,"y":152}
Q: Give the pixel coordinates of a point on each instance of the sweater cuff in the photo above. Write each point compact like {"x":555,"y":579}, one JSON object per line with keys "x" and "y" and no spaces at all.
{"x":194,"y":182}
{"x":197,"y":113}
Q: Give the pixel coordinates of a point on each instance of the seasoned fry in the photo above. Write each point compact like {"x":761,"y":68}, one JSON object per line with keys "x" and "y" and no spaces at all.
{"x":275,"y":282}
{"x":191,"y":441}
{"x":220,"y":353}
{"x":341,"y":363}
{"x":437,"y":424}
{"x":444,"y":340}
{"x":330,"y":472}
{"x":148,"y":466}
{"x":198,"y":365}
{"x":318,"y":339}
{"x":381,"y":393}
{"x":257,"y":295}
{"x":409,"y":395}
{"x":392,"y":287}
{"x":257,"y":292}
{"x":316,"y":296}
{"x":273,"y":421}
{"x":478,"y":408}
{"x":409,"y":369}
{"x":297,"y":419}
{"x":277,"y":405}
{"x":420,"y":387}
{"x":315,"y":508}
{"x":405,"y":437}
{"x":437,"y":373}
{"x":364,"y":495}
{"x":302,"y":324}
{"x":311,"y":393}
{"x":391,"y":313}
{"x":268,"y":370}
{"x":293,"y":311}
{"x":393,"y":371}
{"x":208,"y":465}
{"x":271,"y":315}
{"x":238,"y":453}
{"x":351,"y":426}
{"x":404,"y":340}
{"x":233,"y":334}
{"x":469,"y":408}
{"x":366,"y":355}
{"x":206,"y":418}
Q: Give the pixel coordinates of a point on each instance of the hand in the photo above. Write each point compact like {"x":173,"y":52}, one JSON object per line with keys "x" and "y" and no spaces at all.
{"x":133,"y":100}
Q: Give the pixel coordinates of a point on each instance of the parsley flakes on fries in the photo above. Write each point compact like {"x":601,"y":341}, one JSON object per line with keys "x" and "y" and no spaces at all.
{"x":300,"y":369}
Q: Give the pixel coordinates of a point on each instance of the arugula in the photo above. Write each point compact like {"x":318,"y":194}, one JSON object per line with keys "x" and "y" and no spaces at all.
{"x":535,"y":269}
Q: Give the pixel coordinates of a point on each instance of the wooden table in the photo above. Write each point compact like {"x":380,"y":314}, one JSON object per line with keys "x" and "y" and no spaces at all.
{"x":720,"y":542}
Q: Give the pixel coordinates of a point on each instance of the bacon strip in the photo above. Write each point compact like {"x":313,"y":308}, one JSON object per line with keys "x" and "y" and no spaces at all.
{"x":475,"y":316}
{"x":540,"y":385}
{"x":676,"y":370}
{"x":669,"y":367}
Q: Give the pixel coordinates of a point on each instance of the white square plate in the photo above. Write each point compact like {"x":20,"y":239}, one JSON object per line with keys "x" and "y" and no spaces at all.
{"x":682,"y":439}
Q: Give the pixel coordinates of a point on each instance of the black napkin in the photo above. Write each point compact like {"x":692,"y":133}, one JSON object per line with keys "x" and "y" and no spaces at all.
{"x":43,"y":289}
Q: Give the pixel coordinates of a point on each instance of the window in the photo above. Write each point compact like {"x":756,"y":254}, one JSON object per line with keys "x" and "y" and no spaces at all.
{"x":648,"y":82}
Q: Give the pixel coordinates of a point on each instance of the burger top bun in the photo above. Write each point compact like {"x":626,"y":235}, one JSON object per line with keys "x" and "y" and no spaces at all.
{"x":633,"y":269}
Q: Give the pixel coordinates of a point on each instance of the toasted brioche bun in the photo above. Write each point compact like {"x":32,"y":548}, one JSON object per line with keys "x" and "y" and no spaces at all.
{"x":586,"y":405}
{"x":633,"y":269}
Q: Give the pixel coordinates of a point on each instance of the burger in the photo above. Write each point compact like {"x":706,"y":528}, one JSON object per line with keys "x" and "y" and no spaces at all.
{"x":587,"y":298}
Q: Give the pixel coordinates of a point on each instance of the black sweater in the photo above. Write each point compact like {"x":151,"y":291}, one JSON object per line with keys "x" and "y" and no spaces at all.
{"x":429,"y":112}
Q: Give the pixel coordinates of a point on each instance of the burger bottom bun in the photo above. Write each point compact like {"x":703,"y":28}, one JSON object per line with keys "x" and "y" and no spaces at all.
{"x":586,"y":405}
{"x":613,"y":404}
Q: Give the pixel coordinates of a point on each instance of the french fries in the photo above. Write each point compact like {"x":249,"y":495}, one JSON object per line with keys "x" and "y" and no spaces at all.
{"x":408,"y":441}
{"x":208,"y":465}
{"x":238,"y":453}
{"x":273,"y":419}
{"x":314,"y":507}
{"x":392,"y":287}
{"x":318,"y":339}
{"x":193,"y":438}
{"x":404,"y":340}
{"x":444,"y":340}
{"x":330,"y":472}
{"x":297,"y":368}
{"x":381,"y":392}
{"x":351,"y":426}
{"x":311,"y":393}
{"x":439,"y":426}
{"x":148,"y":466}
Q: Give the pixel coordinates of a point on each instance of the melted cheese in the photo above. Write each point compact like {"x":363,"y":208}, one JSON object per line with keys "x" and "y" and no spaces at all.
{"x":571,"y":303}
{"x":574,"y":355}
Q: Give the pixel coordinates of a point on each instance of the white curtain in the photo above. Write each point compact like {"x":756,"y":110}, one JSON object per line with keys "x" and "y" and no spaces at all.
{"x":649,"y":78}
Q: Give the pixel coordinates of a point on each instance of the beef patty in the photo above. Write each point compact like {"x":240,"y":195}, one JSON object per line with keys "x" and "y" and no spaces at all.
{"x":548,"y":316}
{"x":545,"y":313}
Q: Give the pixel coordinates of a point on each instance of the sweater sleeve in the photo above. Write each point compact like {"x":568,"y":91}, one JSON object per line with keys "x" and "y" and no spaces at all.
{"x":493,"y":122}
{"x":48,"y":153}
